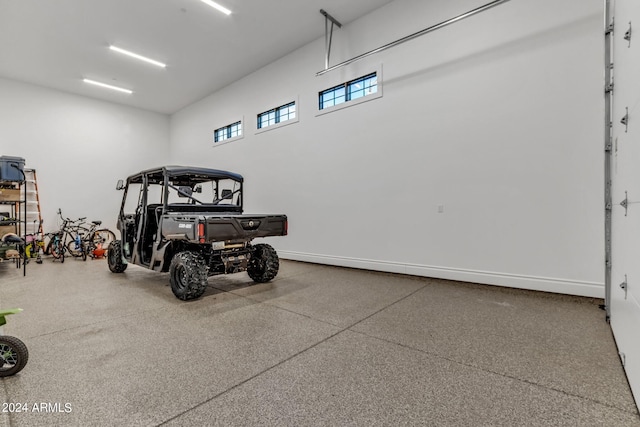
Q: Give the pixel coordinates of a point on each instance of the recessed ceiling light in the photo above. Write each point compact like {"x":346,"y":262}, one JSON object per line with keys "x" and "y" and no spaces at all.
{"x":137,"y":56}
{"x":217,"y":6}
{"x":119,"y":89}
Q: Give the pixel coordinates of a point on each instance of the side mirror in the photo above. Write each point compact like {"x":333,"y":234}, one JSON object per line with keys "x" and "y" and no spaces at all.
{"x":120,"y":185}
{"x":198,"y":189}
{"x":227,"y":194}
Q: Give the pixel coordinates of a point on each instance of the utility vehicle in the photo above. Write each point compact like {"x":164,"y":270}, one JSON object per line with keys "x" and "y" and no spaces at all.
{"x":189,"y":221}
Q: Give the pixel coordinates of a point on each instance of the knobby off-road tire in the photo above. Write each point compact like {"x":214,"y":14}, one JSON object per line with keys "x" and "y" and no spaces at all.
{"x":114,"y":257}
{"x":188,"y":275}
{"x":264,"y":263}
{"x":13,"y":355}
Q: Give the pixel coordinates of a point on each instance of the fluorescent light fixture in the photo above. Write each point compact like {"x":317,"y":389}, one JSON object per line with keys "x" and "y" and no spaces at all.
{"x":135,"y":55}
{"x":217,"y":6}
{"x":119,"y":89}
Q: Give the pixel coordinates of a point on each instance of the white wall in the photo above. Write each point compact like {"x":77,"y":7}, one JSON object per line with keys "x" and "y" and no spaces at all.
{"x":498,"y":118}
{"x":624,"y":301}
{"x":79,"y":147}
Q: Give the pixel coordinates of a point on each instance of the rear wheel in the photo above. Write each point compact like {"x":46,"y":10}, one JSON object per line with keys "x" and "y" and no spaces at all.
{"x":188,"y":275}
{"x":114,"y":257}
{"x":13,"y":355}
{"x":103,"y":238}
{"x":76,"y":251}
{"x":264,"y":263}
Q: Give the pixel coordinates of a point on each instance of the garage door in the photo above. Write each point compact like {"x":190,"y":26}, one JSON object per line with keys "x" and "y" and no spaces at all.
{"x":624,"y":292}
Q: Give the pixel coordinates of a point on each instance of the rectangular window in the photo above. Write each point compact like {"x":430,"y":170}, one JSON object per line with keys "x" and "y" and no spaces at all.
{"x":233,"y":130}
{"x":277,"y":115}
{"x":349,"y":91}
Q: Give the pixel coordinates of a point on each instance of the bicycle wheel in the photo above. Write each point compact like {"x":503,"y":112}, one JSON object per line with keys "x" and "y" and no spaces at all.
{"x":75,"y":252}
{"x":57,"y":250}
{"x":103,"y":237}
{"x":54,"y":248}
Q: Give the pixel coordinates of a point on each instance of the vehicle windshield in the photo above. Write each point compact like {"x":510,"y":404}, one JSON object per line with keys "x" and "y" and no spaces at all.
{"x":212,"y":191}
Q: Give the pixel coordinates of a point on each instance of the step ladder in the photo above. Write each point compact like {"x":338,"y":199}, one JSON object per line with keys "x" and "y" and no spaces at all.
{"x":32,"y":223}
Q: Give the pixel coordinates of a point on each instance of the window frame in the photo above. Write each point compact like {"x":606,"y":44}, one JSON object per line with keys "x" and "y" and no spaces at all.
{"x":351,"y":102}
{"x":277,"y":111}
{"x":233,"y":138}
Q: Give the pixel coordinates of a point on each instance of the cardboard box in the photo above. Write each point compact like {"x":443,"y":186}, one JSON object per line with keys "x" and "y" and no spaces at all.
{"x":9,"y":195}
{"x":4,"y":229}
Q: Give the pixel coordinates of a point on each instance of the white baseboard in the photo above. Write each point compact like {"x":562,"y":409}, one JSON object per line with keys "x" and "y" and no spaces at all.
{"x":545,"y":284}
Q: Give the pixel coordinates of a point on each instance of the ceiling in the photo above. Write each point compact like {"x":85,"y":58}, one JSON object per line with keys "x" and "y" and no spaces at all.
{"x":57,"y":43}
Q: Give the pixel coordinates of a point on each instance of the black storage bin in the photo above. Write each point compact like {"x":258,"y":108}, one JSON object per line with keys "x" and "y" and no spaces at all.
{"x":8,"y":171}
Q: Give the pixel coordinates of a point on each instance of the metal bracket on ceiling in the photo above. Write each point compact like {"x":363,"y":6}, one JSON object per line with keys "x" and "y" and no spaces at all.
{"x":625,"y":120}
{"x":328,"y":35}
{"x":609,"y":88}
{"x":625,"y":203}
{"x":609,"y":29}
{"x":627,"y":35}
{"x":624,"y":286}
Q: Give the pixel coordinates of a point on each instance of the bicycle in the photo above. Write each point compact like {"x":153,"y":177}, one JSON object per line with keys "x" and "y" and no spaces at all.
{"x":34,"y":245}
{"x":56,"y":246}
{"x":69,"y":232}
{"x":78,"y":240}
{"x":92,"y":241}
{"x":57,"y":240}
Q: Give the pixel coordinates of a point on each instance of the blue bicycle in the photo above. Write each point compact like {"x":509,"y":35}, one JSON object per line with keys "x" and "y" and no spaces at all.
{"x":56,"y":246}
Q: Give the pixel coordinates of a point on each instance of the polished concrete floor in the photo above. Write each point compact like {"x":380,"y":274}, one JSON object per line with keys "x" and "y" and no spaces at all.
{"x":318,"y":346}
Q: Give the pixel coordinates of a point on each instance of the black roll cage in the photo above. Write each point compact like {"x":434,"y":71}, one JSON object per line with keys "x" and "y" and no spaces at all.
{"x":182,"y":176}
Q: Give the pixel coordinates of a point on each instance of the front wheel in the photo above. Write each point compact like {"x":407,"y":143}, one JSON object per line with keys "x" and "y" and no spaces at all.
{"x":57,"y":250}
{"x":76,"y":250}
{"x":13,"y":355}
{"x":264,"y":263}
{"x":188,"y":275}
{"x":114,"y":257}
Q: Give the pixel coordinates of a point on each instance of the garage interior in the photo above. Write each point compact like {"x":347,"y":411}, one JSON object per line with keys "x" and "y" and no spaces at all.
{"x":462,"y":232}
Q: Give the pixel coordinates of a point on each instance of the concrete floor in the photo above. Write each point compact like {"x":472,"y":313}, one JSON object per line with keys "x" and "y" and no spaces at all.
{"x":317,"y":346}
